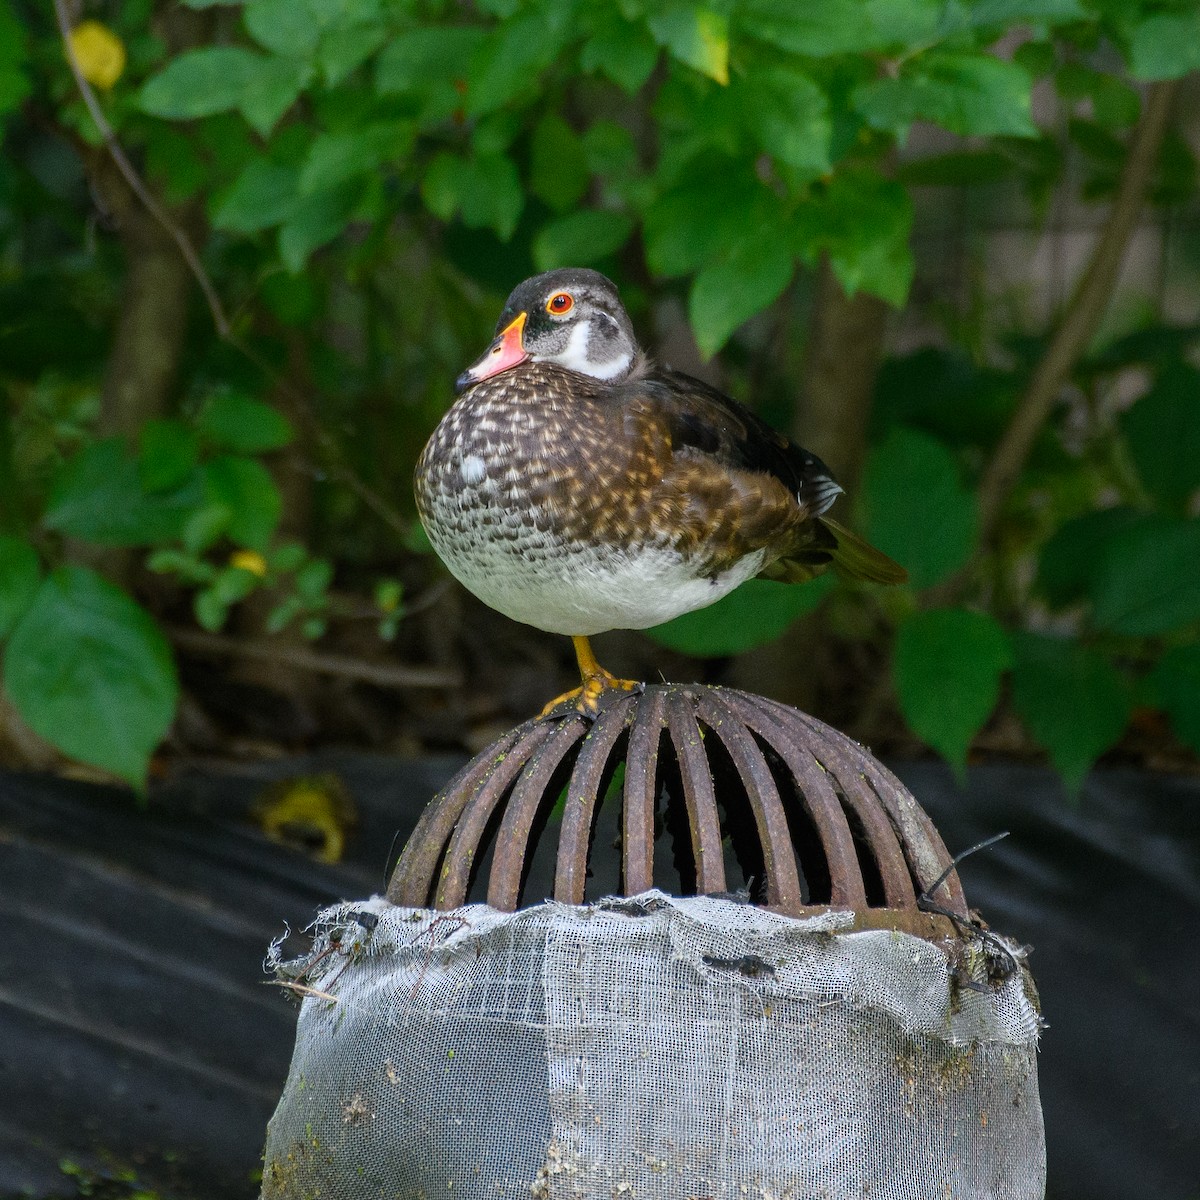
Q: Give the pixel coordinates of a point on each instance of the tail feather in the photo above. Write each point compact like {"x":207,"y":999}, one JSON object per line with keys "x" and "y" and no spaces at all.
{"x":855,"y":558}
{"x":829,"y":544}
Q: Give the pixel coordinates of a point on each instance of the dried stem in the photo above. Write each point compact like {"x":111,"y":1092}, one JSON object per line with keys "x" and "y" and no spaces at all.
{"x":139,"y":189}
{"x":1083,"y":314}
{"x":216,"y":645}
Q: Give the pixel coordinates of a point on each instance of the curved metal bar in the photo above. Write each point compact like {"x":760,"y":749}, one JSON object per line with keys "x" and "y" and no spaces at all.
{"x":583,"y":795}
{"x":412,"y":880}
{"x":779,"y":860}
{"x":640,"y":793}
{"x":455,"y":879}
{"x":923,"y":846}
{"x":817,"y":798}
{"x":512,"y":838}
{"x":845,"y":761}
{"x":698,"y":794}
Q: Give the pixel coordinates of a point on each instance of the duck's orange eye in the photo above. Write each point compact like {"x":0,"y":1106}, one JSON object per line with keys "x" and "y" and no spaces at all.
{"x":559,"y":303}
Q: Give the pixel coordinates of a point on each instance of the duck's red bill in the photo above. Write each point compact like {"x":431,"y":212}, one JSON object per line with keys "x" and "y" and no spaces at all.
{"x":506,"y":351}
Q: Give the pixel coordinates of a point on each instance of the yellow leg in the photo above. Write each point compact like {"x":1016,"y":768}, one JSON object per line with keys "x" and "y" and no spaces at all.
{"x":596,"y":681}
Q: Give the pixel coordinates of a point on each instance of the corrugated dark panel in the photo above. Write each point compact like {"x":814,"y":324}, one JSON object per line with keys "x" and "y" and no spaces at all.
{"x":134,"y":1021}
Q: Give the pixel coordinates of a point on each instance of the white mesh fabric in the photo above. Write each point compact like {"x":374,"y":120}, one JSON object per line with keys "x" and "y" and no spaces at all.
{"x":654,"y":1048}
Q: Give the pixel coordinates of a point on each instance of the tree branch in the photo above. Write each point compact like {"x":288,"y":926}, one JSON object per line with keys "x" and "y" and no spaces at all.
{"x":1083,"y":314}
{"x":372,"y":499}
{"x":215,"y":645}
{"x":139,"y":189}
{"x":841,"y":363}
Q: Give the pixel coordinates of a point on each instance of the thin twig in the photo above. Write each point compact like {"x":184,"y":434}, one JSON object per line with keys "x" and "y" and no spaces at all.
{"x":302,"y":989}
{"x":927,"y":894}
{"x":1082,"y":317}
{"x":400,"y":677}
{"x":1083,"y":314}
{"x":139,"y":189}
{"x":372,"y":499}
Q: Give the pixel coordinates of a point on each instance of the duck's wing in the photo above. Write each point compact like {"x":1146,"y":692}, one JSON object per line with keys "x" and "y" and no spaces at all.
{"x":703,"y":422}
{"x":744,"y":486}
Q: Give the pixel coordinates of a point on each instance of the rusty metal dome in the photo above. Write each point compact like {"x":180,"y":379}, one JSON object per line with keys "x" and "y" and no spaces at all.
{"x":703,"y":790}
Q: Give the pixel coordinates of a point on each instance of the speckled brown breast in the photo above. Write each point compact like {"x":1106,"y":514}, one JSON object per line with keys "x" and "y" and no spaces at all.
{"x":588,"y":462}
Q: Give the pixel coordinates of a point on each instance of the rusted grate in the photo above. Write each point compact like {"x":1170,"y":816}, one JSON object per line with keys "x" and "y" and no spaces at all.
{"x":697,"y":790}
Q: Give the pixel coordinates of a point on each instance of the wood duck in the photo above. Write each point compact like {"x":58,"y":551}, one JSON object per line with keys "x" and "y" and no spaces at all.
{"x":577,"y":486}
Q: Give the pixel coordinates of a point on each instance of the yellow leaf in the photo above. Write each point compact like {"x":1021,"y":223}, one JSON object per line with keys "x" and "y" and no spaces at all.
{"x":310,"y":812}
{"x":99,"y":53}
{"x":712,"y":32}
{"x":249,"y":560}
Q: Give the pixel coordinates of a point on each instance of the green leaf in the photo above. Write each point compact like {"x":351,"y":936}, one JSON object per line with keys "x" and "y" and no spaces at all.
{"x":944,"y":393}
{"x":20,"y":575}
{"x":581,"y":239}
{"x":317,"y":218}
{"x":1006,"y":13}
{"x":623,"y":51}
{"x":14,"y":82}
{"x":264,"y":194}
{"x":90,"y":672}
{"x":485,"y":189}
{"x":1163,"y":432}
{"x":343,"y":50}
{"x":201,"y":82}
{"x":431,"y":64}
{"x":789,"y":115}
{"x":558,"y":172}
{"x":749,"y":278}
{"x":235,"y":422}
{"x":916,"y":507}
{"x":233,"y":584}
{"x":495,"y":197}
{"x":1166,"y":45}
{"x":271,"y":91}
{"x":1114,"y":103}
{"x":1071,"y":698}
{"x":696,"y":36}
{"x":511,"y":61}
{"x":335,"y":158}
{"x":1070,"y":559}
{"x":693,"y":224}
{"x":205,"y":525}
{"x":167,"y":455}
{"x":1176,"y":681}
{"x":313,"y":579}
{"x":863,"y":222}
{"x":974,"y":94}
{"x":1148,"y":579}
{"x":948,"y":663}
{"x":609,"y":149}
{"x":283,"y":26}
{"x":756,"y":613}
{"x":845,"y":26}
{"x":210,"y":611}
{"x":245,"y":487}
{"x":99,"y":498}
{"x":442,"y":185}
{"x":216,"y":79}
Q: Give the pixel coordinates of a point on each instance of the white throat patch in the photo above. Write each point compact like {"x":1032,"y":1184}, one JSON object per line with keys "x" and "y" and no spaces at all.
{"x":574,"y":356}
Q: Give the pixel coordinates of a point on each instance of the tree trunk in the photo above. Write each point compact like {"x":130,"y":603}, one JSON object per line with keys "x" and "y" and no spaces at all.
{"x":151,"y":326}
{"x":841,"y":362}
